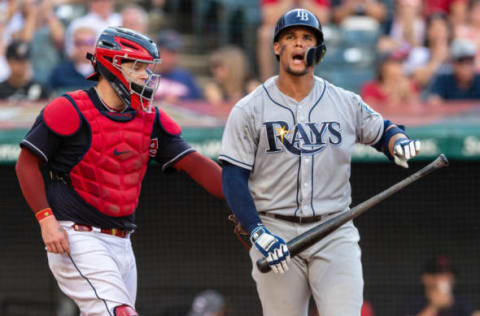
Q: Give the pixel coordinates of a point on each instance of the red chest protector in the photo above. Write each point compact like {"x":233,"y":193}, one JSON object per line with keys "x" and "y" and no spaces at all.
{"x":109,"y":176}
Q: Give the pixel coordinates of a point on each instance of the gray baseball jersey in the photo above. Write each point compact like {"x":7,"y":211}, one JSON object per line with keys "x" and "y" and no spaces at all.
{"x":299,"y":153}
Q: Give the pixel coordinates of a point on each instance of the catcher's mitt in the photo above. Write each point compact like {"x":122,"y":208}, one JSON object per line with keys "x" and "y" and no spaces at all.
{"x":239,"y":231}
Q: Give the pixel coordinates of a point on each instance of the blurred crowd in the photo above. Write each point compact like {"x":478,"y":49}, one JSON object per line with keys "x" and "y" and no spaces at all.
{"x":410,"y":52}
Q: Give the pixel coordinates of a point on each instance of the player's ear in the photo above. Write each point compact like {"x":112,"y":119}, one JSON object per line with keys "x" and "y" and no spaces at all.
{"x":276,"y":48}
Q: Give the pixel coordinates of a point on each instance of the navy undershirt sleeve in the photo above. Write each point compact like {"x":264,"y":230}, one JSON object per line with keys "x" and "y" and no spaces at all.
{"x":40,"y":140}
{"x":237,"y":194}
{"x":167,"y":148}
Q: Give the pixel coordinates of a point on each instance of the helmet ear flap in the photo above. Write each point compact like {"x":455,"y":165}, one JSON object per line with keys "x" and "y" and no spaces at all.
{"x":90,"y":57}
{"x":95,"y":75}
{"x":314,"y":55}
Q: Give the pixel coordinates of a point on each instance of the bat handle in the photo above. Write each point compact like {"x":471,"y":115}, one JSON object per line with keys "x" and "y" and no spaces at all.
{"x":263,"y":265}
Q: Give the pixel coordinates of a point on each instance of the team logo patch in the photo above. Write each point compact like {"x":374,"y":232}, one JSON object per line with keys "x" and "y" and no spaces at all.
{"x":153,"y":147}
{"x":302,"y":14}
{"x":304,"y":139}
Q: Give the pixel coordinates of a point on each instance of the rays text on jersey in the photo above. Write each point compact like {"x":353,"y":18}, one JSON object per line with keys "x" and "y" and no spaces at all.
{"x":304,"y":139}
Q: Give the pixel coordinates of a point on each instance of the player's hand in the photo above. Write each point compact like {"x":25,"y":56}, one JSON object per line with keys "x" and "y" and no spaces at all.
{"x":54,"y":236}
{"x":272,"y":247}
{"x":405,"y":149}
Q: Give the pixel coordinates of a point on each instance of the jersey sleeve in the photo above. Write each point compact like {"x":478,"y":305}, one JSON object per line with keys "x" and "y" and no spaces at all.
{"x":369,"y":127}
{"x":239,"y":140}
{"x":40,"y":140}
{"x":167,"y":148}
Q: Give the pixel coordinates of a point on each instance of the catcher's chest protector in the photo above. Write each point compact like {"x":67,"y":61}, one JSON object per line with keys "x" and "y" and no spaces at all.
{"x":109,"y":176}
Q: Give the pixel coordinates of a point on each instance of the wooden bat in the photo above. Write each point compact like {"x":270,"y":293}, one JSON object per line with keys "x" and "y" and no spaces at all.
{"x":313,"y":235}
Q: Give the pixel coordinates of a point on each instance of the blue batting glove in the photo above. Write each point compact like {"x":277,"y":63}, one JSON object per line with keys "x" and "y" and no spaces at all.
{"x":405,"y":149}
{"x":271,"y":247}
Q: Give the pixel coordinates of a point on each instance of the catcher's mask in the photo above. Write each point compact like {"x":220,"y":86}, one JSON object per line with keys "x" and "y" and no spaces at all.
{"x":129,"y":62}
{"x":304,"y":18}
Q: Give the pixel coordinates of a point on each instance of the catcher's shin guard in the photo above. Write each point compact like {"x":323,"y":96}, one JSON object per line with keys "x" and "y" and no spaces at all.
{"x":125,"y":310}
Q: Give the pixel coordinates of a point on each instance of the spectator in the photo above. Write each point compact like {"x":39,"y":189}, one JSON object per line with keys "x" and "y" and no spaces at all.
{"x":100,"y":15}
{"x":345,"y":9}
{"x":471,"y":30}
{"x":407,"y":29}
{"x":438,"y":279}
{"x":209,"y":303}
{"x":231,"y":76}
{"x":271,"y":12}
{"x":71,"y":74}
{"x":176,"y":83}
{"x":156,"y":15}
{"x":47,"y":43}
{"x":21,"y":25}
{"x":464,"y":82}
{"x":425,"y":61}
{"x":7,"y":9}
{"x":392,"y":88}
{"x":17,"y":22}
{"x":19,"y":85}
{"x":10,"y":20}
{"x":135,"y":18}
{"x":456,"y":10}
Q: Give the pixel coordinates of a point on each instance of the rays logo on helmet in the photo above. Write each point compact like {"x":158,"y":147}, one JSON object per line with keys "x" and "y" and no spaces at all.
{"x":302,"y":15}
{"x":305,"y":138}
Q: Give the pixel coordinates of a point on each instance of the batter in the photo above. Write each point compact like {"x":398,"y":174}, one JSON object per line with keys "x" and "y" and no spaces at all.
{"x":286,"y":151}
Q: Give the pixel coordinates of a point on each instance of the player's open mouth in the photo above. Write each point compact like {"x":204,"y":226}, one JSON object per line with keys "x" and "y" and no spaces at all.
{"x":298,"y":58}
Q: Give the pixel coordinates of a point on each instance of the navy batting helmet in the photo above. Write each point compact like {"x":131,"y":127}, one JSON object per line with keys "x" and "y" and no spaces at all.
{"x":304,"y":18}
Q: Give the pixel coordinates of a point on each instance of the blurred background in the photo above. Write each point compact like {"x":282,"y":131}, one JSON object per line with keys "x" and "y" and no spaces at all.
{"x":416,"y":62}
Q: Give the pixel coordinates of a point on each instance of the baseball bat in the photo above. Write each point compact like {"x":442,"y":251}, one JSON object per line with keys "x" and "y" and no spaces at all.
{"x":311,"y":236}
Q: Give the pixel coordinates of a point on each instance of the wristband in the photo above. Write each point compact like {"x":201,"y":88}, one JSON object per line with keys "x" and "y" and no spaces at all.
{"x":42,"y":214}
{"x":257,"y":232}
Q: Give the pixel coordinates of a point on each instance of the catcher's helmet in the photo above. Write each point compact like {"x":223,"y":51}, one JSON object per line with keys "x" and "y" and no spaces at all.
{"x":117,"y":45}
{"x":304,"y":18}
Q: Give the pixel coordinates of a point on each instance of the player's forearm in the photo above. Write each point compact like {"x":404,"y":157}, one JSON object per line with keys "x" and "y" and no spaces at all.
{"x":31,"y":180}
{"x":57,"y":31}
{"x":237,"y":194}
{"x":204,"y":171}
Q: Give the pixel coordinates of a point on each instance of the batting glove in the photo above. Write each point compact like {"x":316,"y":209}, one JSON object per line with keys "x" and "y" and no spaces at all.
{"x":405,"y":149}
{"x":272,"y":247}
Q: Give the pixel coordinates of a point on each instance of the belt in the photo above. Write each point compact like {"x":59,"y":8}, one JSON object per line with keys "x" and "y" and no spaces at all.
{"x":297,"y":219}
{"x":109,"y":231}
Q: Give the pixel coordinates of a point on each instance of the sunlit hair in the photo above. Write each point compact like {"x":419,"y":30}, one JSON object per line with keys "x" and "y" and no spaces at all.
{"x":79,"y":30}
{"x":234,"y":60}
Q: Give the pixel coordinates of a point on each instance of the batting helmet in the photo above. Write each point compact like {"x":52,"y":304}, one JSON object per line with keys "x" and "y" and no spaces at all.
{"x":304,"y":18}
{"x":117,"y":45}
